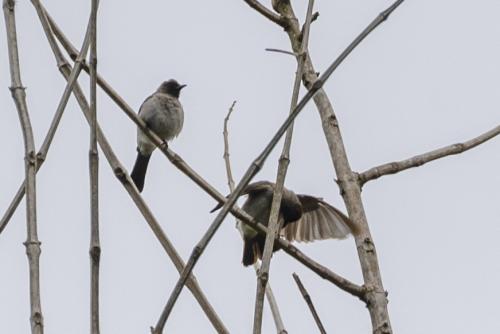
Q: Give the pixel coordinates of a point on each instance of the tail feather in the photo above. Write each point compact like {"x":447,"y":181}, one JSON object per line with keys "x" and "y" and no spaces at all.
{"x":250,"y":252}
{"x":139,"y":171}
{"x":253,"y":249}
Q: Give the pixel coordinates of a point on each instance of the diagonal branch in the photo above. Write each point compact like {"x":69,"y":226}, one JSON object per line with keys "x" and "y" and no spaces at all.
{"x":95,"y":246}
{"x":421,"y":159}
{"x":274,"y":225}
{"x":266,"y":12}
{"x":178,"y":162}
{"x":124,"y":178}
{"x":257,"y":164}
{"x":309,"y":303}
{"x":349,"y":187}
{"x":280,"y":327}
{"x":19,"y":96}
{"x":42,"y":153}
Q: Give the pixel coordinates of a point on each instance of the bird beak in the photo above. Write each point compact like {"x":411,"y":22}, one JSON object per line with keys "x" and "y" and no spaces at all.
{"x":182,"y":86}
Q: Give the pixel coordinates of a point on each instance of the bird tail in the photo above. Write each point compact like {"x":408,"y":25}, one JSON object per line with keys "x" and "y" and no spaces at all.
{"x":139,"y":172}
{"x":251,"y":252}
{"x":253,"y":249}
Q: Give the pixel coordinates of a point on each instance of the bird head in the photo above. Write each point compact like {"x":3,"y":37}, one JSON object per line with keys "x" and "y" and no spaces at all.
{"x":171,"y":87}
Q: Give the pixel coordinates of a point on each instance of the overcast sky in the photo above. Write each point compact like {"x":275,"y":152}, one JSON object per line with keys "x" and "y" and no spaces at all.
{"x":427,"y":77}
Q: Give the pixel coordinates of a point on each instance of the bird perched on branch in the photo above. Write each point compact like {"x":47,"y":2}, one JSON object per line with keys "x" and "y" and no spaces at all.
{"x":304,"y":218}
{"x":162,"y":112}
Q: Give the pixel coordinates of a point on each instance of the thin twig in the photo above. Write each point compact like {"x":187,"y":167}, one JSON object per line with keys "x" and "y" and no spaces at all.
{"x":252,"y":170}
{"x":19,"y":96}
{"x":225,"y":134}
{"x":273,"y":225}
{"x":179,"y":163}
{"x":282,"y":51}
{"x":122,"y":175}
{"x":376,"y":296}
{"x":266,"y":12}
{"x":273,"y":305}
{"x":42,"y":153}
{"x":419,"y":160}
{"x":95,"y":246}
{"x":309,"y":302}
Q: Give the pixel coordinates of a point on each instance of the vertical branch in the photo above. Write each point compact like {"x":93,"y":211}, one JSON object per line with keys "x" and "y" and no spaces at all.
{"x":227,"y":161}
{"x":309,"y":303}
{"x":273,"y":305}
{"x":257,"y":164}
{"x":349,"y":187}
{"x":42,"y":153}
{"x":19,"y":95}
{"x":181,"y":165}
{"x":121,"y":173}
{"x":273,"y":226}
{"x":95,"y":247}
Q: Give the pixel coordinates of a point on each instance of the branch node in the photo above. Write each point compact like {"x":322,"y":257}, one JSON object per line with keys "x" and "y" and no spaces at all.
{"x":95,"y":253}
{"x":9,"y":5}
{"x":31,"y":158}
{"x":164,"y":145}
{"x":120,"y":173}
{"x":263,"y":275}
{"x":40,"y":157}
{"x":30,"y":243}
{"x":37,"y":318}
{"x":368,"y":246}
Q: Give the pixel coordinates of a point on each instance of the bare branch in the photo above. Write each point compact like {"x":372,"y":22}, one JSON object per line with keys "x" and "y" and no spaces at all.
{"x":124,"y":178}
{"x":274,"y":225}
{"x":266,"y":12}
{"x":282,"y":51}
{"x":178,"y":162}
{"x":421,"y":159}
{"x":273,"y":305}
{"x":95,"y":247}
{"x":19,"y":96}
{"x":309,"y":302}
{"x":42,"y":153}
{"x":252,"y":170}
{"x":227,"y":161}
{"x":350,"y":189}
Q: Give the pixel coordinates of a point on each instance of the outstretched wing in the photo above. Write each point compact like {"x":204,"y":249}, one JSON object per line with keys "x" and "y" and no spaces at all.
{"x":319,"y":221}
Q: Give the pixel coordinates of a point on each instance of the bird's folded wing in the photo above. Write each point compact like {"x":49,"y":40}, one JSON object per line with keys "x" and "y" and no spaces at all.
{"x":319,"y":221}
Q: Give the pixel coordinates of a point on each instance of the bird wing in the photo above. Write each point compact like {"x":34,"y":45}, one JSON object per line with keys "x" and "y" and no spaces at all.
{"x":319,"y":221}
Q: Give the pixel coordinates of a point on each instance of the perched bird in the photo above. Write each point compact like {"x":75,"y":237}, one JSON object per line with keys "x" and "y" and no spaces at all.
{"x":304,"y":218}
{"x":162,"y":112}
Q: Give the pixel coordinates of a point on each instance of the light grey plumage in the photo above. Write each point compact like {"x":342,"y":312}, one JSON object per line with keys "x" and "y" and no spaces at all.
{"x":163,"y":114}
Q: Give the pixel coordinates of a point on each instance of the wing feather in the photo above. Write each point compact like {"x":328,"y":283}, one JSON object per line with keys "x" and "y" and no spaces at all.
{"x":319,"y":221}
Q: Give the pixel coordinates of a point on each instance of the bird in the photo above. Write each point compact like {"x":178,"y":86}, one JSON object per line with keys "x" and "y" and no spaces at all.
{"x":304,"y":218}
{"x":163,"y":114}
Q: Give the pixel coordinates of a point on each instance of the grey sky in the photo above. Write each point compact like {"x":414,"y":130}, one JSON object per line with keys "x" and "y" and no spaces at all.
{"x":427,"y":77}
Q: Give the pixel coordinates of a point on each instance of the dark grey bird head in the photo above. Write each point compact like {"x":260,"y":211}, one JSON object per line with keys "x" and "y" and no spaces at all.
{"x":171,"y":87}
